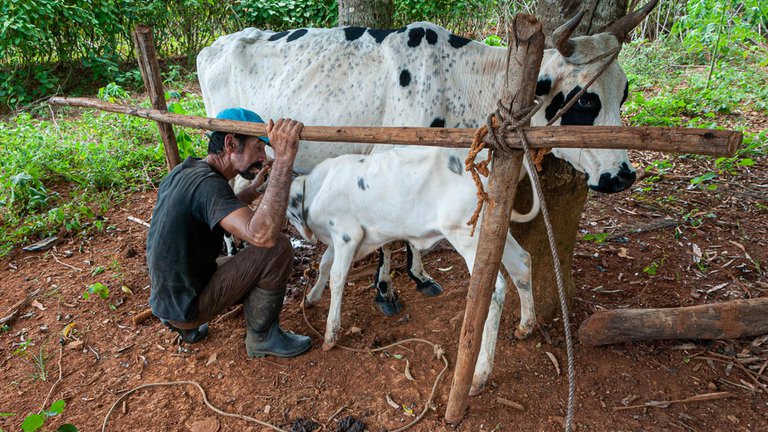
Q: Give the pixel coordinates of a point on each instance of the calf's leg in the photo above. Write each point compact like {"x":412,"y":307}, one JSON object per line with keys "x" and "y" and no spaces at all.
{"x":344,"y":246}
{"x":322,"y":278}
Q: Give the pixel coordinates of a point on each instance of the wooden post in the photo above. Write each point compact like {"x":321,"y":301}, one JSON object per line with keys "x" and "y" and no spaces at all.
{"x":724,"y":320}
{"x":150,"y":72}
{"x":523,"y":62}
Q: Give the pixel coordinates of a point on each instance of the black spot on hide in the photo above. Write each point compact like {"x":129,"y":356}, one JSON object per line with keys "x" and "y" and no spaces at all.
{"x":353,"y":33}
{"x":296,"y":200}
{"x":454,"y":164}
{"x":437,"y":122}
{"x":457,"y":41}
{"x":415,"y":35}
{"x":331,"y":223}
{"x":297,"y":34}
{"x":277,"y":36}
{"x":584,"y":111}
{"x":346,"y":238}
{"x":405,"y":78}
{"x":361,"y":183}
{"x":554,"y":106}
{"x":431,"y":37}
{"x":543,"y":86}
{"x":380,"y":35}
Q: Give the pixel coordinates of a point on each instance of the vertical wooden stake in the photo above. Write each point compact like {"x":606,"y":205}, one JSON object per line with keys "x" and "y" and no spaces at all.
{"x":150,"y":72}
{"x":523,"y":62}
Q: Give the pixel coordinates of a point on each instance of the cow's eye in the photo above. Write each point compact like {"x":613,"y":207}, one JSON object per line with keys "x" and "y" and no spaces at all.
{"x":585,"y":103}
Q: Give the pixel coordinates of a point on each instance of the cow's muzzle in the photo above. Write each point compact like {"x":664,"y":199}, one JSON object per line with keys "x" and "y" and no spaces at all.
{"x":615,"y":183}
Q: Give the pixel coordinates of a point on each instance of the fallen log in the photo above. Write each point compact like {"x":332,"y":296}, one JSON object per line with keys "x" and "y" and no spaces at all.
{"x":724,"y":320}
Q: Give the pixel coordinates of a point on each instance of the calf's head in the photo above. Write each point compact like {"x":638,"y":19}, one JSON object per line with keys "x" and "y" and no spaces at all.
{"x":565,"y":71}
{"x":297,"y":210}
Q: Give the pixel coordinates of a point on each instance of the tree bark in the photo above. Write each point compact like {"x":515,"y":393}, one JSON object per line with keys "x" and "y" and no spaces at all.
{"x":598,"y":14}
{"x":366,"y":13}
{"x":565,"y":189}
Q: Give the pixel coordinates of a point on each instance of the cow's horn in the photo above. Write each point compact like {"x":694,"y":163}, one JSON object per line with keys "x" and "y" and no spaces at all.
{"x":562,"y":35}
{"x":623,"y":26}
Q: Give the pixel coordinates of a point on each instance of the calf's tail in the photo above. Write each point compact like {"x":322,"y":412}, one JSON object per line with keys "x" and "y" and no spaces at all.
{"x":535,"y":205}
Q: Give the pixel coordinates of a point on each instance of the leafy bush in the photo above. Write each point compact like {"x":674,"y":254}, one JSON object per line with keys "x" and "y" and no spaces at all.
{"x":61,"y":176}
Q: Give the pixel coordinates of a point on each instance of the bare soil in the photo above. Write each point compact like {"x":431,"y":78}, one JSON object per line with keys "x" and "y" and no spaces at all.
{"x":668,"y":247}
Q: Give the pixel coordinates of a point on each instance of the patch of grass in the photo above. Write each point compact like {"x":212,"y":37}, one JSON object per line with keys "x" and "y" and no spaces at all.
{"x":61,"y":173}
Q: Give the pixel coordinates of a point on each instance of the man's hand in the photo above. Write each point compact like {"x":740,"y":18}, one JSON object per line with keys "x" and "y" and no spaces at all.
{"x":284,"y":138}
{"x":261,"y":177}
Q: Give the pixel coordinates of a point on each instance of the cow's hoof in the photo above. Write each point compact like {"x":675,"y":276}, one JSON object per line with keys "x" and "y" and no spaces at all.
{"x":522,"y":332}
{"x":389,"y":307}
{"x":476,"y":389}
{"x":430,"y":289}
{"x":327,"y":346}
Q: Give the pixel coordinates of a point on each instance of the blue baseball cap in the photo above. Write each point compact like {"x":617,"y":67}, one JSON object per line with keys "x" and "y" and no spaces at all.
{"x":241,"y":114}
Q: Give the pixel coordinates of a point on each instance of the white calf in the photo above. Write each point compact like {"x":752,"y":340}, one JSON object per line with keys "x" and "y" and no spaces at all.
{"x":355,"y":204}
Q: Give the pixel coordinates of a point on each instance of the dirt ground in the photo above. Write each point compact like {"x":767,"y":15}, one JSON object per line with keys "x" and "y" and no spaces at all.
{"x":670,"y":246}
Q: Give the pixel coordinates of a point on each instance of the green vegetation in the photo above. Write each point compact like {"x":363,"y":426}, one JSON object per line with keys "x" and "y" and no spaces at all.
{"x":61,"y":175}
{"x":34,"y":422}
{"x":707,"y":69}
{"x":695,"y":63}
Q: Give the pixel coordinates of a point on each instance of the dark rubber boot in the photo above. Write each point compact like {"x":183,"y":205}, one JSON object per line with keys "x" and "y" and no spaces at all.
{"x":263,"y":333}
{"x":189,"y":336}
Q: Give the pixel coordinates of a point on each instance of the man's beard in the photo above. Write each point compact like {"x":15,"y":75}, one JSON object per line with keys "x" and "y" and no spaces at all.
{"x":249,"y":173}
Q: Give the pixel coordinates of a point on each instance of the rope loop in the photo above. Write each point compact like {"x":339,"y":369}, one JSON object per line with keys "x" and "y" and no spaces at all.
{"x":501,"y":119}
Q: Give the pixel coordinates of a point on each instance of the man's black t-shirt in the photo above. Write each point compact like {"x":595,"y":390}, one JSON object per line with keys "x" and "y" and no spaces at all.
{"x":185,"y":237}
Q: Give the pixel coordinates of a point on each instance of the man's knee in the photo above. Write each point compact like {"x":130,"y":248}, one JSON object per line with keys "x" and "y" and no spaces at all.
{"x":283,"y":248}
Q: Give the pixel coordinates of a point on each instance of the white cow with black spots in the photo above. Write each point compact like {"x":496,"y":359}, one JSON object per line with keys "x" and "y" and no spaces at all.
{"x":356,"y":204}
{"x":419,"y":75}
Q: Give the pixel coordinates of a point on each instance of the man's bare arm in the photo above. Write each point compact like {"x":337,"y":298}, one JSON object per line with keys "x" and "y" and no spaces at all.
{"x":260,"y":228}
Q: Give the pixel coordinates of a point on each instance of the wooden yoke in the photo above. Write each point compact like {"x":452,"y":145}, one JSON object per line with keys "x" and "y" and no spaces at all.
{"x":524,"y":56}
{"x":150,"y":72}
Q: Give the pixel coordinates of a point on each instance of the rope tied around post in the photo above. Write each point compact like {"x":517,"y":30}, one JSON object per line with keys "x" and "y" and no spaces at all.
{"x":492,"y":124}
{"x":509,"y":122}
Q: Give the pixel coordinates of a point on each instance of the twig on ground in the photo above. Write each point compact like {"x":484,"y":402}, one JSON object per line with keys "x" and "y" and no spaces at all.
{"x":138,"y":221}
{"x":233,"y":311}
{"x":342,"y":408}
{"x":14,"y":310}
{"x":53,"y":387}
{"x":664,"y":404}
{"x":63,"y":263}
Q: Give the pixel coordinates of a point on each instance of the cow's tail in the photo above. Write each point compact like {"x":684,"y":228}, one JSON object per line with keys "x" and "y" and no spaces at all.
{"x":535,"y":205}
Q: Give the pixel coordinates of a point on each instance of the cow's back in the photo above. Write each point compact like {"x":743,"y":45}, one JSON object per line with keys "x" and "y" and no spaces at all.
{"x":414,"y":76}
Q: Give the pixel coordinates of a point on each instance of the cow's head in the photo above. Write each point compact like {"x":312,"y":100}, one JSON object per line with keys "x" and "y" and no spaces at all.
{"x":565,"y":71}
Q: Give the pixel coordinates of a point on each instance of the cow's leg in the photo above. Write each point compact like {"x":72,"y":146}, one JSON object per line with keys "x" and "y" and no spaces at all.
{"x":344,"y":246}
{"x":324,"y":273}
{"x":516,"y":261}
{"x":386,"y":296}
{"x":229,"y":242}
{"x":424,"y":282}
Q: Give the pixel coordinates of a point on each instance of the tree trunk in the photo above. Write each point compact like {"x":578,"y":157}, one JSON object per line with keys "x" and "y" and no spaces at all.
{"x":597,"y":14}
{"x":366,"y":13}
{"x":565,"y":189}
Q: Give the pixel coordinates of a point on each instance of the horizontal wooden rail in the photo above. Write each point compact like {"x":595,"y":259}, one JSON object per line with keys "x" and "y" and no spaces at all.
{"x":673,"y":140}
